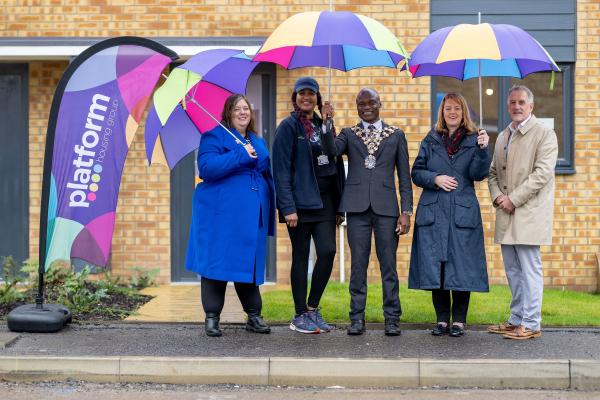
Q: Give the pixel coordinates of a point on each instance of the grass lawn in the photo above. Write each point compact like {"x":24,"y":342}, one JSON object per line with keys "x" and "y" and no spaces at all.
{"x":564,"y":308}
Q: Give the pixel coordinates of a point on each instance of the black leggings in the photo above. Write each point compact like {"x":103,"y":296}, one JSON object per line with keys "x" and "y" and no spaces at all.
{"x":213,"y":296}
{"x":323,"y":234}
{"x":441,"y":303}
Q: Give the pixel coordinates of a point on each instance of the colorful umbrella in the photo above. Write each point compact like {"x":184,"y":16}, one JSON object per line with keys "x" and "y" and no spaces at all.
{"x":468,"y":51}
{"x":334,"y":39}
{"x":185,"y":105}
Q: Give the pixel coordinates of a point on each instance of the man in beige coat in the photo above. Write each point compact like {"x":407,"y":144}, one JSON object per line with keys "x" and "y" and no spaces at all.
{"x":521,"y":184}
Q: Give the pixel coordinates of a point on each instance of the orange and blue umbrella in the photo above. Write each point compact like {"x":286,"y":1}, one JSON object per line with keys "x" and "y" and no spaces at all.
{"x":337,"y":39}
{"x":190,"y":101}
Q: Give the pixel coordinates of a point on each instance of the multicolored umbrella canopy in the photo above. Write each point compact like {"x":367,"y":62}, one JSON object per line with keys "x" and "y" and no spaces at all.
{"x":355,"y":41}
{"x":468,"y":51}
{"x":190,"y":100}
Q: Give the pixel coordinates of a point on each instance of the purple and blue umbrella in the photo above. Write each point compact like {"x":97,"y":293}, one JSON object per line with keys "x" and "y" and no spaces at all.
{"x":191,"y":100}
{"x":468,"y":51}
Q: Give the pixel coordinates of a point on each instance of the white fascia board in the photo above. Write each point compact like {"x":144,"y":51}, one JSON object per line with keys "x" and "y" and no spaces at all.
{"x":33,"y":53}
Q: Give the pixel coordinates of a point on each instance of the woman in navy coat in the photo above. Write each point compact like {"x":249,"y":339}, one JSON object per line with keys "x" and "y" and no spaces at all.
{"x":233,"y":212}
{"x":309,"y":185}
{"x":448,"y":255}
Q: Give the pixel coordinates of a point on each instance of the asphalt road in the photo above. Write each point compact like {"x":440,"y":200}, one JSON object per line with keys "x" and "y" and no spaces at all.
{"x":91,"y":391}
{"x":190,"y":340}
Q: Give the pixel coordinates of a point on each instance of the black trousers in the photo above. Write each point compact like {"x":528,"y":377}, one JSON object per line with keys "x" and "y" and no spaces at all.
{"x":323,"y":234}
{"x":361,"y":227}
{"x":445,"y":307}
{"x":212,"y":293}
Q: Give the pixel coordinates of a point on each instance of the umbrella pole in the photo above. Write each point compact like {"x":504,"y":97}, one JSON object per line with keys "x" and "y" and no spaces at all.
{"x":329,"y":62}
{"x":480,"y":103}
{"x":238,"y":141}
{"x":479,"y":73}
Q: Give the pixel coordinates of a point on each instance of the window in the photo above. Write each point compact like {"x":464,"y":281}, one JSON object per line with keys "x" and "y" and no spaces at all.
{"x":553,"y":107}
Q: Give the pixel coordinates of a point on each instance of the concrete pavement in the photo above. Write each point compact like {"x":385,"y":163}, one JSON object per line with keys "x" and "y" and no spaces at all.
{"x":181,"y":353}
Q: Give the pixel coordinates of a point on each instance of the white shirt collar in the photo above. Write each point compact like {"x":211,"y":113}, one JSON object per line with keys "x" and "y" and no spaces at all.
{"x":378,"y":124}
{"x":522,"y":124}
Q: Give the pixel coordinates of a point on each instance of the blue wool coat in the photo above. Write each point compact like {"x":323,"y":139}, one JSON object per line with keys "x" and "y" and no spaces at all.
{"x":448,"y":225}
{"x":233,"y":210}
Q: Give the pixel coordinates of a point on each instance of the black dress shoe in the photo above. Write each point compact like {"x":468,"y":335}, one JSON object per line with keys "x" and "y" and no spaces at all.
{"x":357,"y":327}
{"x":456,"y":331}
{"x":257,"y":324}
{"x":211,"y":325}
{"x":392,"y":328}
{"x":440,"y":330}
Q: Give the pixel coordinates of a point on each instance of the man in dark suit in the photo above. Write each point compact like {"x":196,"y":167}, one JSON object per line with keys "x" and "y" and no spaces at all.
{"x":375,"y":151}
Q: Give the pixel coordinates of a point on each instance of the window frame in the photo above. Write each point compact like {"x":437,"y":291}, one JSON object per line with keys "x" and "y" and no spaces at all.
{"x":564,"y":165}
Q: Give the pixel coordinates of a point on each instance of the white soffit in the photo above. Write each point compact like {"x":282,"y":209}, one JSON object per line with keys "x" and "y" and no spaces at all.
{"x":32,"y":51}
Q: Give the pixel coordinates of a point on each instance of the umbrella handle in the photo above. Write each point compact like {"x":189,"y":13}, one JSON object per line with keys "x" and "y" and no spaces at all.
{"x":238,"y":141}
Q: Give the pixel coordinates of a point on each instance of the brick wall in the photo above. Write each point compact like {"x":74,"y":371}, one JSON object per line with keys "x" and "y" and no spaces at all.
{"x":142,"y":234}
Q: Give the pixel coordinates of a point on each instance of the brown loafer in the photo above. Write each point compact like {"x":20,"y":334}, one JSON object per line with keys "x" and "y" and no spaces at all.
{"x":522,"y":333}
{"x":502,"y":328}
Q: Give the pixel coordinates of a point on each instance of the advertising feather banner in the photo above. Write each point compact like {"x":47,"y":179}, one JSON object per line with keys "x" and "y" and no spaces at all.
{"x":95,"y":113}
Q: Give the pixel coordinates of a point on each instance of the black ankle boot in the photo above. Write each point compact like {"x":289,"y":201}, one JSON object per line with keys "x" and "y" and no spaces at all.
{"x":257,"y":324}
{"x":211,"y":325}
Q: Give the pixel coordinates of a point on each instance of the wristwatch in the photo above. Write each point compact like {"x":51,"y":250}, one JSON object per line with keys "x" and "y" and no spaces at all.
{"x":409,"y":213}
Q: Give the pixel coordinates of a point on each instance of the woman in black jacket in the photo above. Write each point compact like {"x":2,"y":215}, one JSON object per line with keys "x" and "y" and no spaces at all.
{"x":308,"y":185}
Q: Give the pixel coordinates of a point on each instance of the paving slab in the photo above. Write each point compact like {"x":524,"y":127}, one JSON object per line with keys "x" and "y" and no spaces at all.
{"x":243,"y":371}
{"x":8,"y":338}
{"x":497,"y":373}
{"x":344,"y":372}
{"x":585,"y":374}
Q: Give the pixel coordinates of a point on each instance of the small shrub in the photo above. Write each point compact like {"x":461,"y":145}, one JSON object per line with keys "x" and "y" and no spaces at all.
{"x":143,"y":278}
{"x":73,"y":290}
{"x":10,"y":275}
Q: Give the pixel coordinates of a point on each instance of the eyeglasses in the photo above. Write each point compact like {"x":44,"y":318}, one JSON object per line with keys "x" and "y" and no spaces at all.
{"x":238,"y":110}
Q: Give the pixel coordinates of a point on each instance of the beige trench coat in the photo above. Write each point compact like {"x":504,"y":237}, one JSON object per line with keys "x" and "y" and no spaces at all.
{"x":527,"y":177}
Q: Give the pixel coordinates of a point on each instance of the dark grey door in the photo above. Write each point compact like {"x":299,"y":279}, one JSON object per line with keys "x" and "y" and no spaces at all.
{"x":261,"y":93}
{"x":14,"y":161}
{"x":182,"y":190}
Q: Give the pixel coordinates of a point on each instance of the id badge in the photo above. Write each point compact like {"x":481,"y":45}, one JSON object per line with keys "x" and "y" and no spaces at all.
{"x":322,"y":160}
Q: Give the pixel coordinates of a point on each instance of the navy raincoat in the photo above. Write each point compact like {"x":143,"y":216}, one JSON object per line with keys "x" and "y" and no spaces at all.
{"x":448,"y":225}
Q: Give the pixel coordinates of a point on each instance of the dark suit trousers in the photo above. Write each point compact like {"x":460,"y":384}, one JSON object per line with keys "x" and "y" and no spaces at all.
{"x":360,"y":228}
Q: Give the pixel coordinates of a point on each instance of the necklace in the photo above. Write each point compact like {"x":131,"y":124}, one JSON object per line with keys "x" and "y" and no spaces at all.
{"x":372,"y":139}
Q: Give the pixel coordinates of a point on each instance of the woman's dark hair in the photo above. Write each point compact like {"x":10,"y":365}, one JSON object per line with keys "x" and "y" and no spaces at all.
{"x":227,"y":114}
{"x":301,"y":115}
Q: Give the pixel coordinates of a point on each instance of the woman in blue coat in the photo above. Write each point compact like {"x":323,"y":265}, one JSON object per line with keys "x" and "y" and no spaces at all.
{"x":448,"y":255}
{"x":233,"y":212}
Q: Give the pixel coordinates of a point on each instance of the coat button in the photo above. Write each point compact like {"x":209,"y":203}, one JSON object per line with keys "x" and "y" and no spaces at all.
{"x":504,"y":167}
{"x":504,"y":187}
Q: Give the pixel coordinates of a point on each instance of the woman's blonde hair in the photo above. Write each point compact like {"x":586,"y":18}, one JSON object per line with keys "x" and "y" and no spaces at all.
{"x":466,"y":122}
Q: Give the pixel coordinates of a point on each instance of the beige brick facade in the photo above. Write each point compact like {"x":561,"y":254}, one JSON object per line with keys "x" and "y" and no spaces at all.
{"x":142,"y":235}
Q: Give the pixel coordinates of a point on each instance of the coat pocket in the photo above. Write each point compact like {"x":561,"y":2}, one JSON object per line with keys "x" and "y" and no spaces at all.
{"x":389,"y":184}
{"x":355,"y":180}
{"x":465,"y":212}
{"x":426,"y":209}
